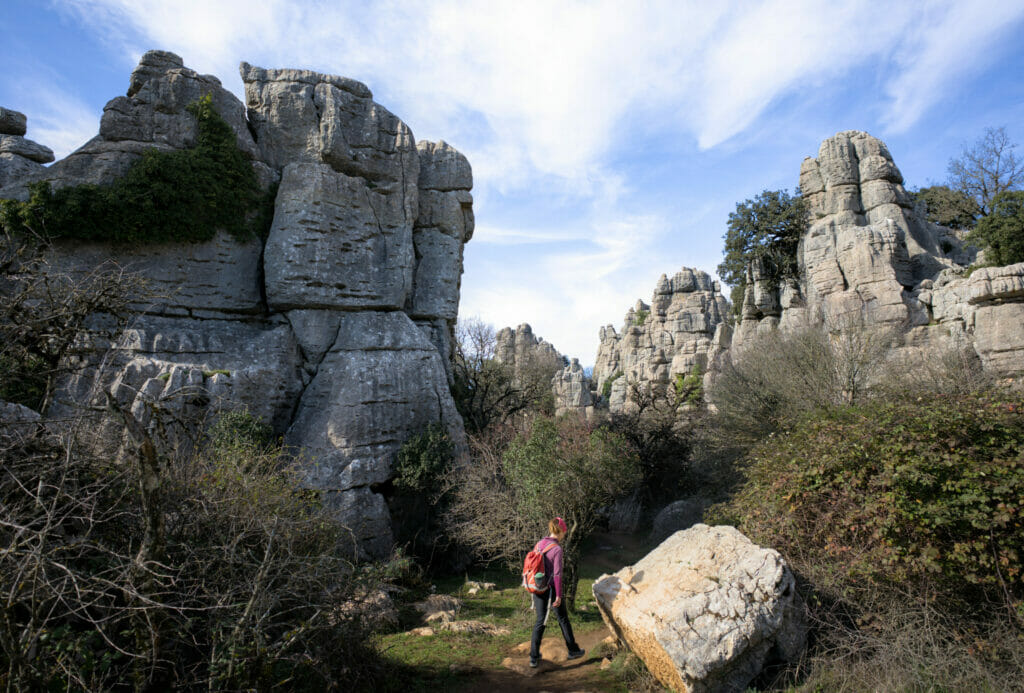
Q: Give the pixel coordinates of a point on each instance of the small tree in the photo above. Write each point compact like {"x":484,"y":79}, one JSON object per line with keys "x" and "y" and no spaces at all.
{"x":559,"y":467}
{"x":767,"y":228}
{"x":948,"y":207}
{"x":987,"y":169}
{"x":1001,"y":233}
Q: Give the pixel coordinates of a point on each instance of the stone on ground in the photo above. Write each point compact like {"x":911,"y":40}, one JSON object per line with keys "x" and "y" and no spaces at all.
{"x":705,"y":610}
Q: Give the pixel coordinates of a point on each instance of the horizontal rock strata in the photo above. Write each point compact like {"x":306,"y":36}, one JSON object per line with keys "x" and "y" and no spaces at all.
{"x":337,"y":329}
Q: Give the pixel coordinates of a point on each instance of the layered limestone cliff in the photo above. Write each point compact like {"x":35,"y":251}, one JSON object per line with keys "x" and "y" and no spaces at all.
{"x":337,"y":329}
{"x":868,"y":259}
{"x":680,"y":333}
{"x":536,"y":363}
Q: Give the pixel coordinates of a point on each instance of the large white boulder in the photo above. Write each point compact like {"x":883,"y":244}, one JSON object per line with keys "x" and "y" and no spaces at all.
{"x":705,"y":610}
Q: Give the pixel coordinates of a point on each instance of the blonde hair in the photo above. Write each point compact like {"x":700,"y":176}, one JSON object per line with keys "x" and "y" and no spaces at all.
{"x":554,"y":529}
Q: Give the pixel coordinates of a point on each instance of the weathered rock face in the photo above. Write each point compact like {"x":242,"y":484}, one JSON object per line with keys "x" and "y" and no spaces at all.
{"x":868,"y":259}
{"x":571,"y":388}
{"x":338,"y":328}
{"x":19,"y":157}
{"x":535,"y":360}
{"x":705,"y":610}
{"x":673,"y":336}
{"x":520,"y":348}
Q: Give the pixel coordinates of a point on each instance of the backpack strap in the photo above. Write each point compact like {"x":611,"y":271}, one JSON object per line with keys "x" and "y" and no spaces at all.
{"x":545,"y":549}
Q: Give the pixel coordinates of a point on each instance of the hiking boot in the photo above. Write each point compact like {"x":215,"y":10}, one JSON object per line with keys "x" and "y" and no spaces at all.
{"x":576,"y":654}
{"x":534,"y":662}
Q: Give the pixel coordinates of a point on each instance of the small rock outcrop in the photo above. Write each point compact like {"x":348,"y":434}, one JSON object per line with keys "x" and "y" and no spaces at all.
{"x":571,"y":388}
{"x":678,"y":334}
{"x":19,"y":157}
{"x":705,"y":610}
{"x":337,"y":329}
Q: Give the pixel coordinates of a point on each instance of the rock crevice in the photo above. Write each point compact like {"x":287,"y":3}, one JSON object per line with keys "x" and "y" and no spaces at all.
{"x":338,"y":328}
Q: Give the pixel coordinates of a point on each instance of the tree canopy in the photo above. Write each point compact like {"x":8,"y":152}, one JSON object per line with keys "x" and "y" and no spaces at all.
{"x":948,"y":207}
{"x":1001,"y":232}
{"x":767,"y":228}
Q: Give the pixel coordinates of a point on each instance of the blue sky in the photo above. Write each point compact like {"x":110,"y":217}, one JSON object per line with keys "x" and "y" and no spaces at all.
{"x":609,"y":140}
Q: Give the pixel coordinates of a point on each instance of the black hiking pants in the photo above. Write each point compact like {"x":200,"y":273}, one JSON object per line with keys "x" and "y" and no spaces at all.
{"x":540,"y":605}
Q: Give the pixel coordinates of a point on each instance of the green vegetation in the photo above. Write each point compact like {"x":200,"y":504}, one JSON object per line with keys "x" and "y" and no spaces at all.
{"x":240,"y":431}
{"x":418,"y":502}
{"x":948,"y":207}
{"x":690,"y":387}
{"x":925,"y":491}
{"x":1001,"y":232}
{"x":449,"y":660}
{"x":606,"y":387}
{"x":766,"y":230}
{"x":641,"y":317}
{"x":184,"y":195}
{"x":521,"y":479}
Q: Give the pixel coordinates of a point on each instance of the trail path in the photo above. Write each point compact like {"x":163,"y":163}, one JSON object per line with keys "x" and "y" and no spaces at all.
{"x":554,"y":674}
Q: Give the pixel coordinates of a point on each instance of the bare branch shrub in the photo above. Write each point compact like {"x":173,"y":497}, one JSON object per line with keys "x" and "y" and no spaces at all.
{"x":216,"y":571}
{"x":48,"y":317}
{"x":783,"y":376}
{"x":488,"y":391}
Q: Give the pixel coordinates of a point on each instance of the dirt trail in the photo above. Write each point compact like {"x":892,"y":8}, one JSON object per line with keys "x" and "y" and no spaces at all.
{"x":554,"y":674}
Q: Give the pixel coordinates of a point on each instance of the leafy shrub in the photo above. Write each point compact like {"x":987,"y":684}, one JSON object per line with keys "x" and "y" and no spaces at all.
{"x":517,"y":481}
{"x":184,"y":195}
{"x":418,"y":501}
{"x":239,"y":428}
{"x":690,"y":387}
{"x":606,"y":387}
{"x":926,"y":491}
{"x":641,"y":317}
{"x":424,"y":460}
{"x":1001,"y":233}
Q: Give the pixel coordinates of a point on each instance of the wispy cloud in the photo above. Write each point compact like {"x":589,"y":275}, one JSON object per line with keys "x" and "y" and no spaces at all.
{"x":547,"y":98}
{"x":951,"y":45}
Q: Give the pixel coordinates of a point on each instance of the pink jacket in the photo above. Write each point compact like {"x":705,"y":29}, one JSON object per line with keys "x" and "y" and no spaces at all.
{"x":552,"y":562}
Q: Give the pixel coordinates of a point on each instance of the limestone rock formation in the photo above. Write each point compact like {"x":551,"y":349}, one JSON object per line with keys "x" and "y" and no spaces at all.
{"x":337,"y":329}
{"x":536,"y":362}
{"x":673,"y":336}
{"x":19,"y":157}
{"x":12,"y":122}
{"x":869,"y":259}
{"x":705,"y":610}
{"x":571,"y":388}
{"x":521,"y":349}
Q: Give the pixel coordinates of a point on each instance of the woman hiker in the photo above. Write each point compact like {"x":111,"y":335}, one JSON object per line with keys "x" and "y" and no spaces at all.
{"x":553,"y":567}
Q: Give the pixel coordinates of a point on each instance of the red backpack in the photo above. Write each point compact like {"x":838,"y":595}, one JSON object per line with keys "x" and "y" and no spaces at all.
{"x":535,"y":580}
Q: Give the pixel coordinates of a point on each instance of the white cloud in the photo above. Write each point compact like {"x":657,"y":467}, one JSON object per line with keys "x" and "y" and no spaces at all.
{"x":545,"y":98}
{"x":56,"y":119}
{"x":955,"y":44}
